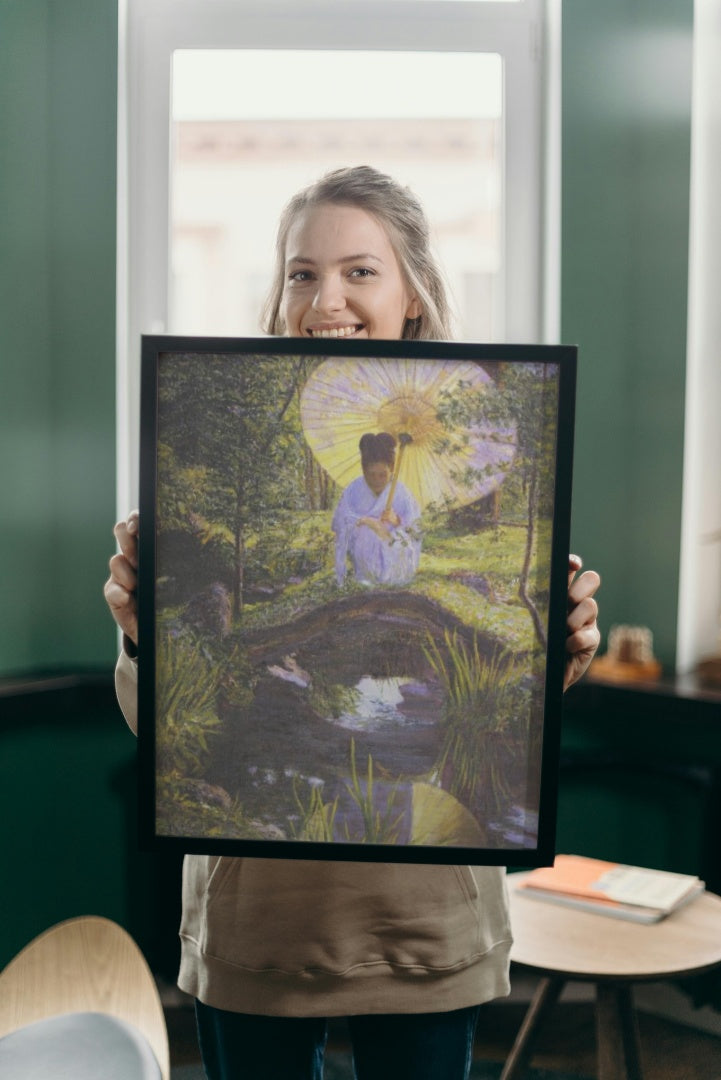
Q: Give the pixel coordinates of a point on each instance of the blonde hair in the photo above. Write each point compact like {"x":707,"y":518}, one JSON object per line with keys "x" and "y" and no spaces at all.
{"x":403,"y":217}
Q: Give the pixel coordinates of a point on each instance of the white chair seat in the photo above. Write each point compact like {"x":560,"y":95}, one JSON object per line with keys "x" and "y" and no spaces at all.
{"x":78,"y":1046}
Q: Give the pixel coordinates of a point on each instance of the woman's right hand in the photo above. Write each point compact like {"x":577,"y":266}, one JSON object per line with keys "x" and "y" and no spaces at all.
{"x":121,"y":587}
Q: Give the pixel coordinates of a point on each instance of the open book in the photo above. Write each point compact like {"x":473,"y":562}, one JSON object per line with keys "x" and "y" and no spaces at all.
{"x":608,"y":888}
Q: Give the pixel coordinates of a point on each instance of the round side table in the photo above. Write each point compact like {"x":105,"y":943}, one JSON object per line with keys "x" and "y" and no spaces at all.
{"x":563,"y":944}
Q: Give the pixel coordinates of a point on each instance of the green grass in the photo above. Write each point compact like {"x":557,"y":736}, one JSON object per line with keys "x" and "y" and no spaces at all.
{"x":495,"y":553}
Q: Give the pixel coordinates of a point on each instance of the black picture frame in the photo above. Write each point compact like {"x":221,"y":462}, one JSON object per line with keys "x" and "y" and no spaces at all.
{"x":315,"y":686}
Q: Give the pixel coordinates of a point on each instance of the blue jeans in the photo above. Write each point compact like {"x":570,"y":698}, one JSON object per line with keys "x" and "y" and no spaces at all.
{"x":414,"y":1046}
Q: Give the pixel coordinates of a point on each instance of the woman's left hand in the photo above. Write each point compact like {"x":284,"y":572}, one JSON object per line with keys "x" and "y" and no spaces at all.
{"x":379,"y":527}
{"x":583,"y":635}
{"x":390,"y":517}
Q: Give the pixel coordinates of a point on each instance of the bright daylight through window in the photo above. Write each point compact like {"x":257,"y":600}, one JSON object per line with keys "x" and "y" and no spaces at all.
{"x":237,"y":156}
{"x":228,"y":108}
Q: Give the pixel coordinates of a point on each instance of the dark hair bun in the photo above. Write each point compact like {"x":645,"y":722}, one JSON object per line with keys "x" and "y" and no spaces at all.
{"x":378,"y":448}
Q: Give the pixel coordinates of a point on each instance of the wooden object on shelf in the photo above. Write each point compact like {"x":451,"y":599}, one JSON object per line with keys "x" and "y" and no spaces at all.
{"x":708,"y":671}
{"x":630,"y":656}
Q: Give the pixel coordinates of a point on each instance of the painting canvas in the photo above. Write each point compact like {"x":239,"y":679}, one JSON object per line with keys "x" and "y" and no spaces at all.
{"x":353,"y":573}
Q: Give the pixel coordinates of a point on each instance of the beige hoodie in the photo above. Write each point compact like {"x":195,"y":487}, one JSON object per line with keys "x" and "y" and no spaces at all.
{"x":284,"y":937}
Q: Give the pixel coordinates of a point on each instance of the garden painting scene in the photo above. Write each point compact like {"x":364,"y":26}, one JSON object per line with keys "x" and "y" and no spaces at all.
{"x":351,"y":578}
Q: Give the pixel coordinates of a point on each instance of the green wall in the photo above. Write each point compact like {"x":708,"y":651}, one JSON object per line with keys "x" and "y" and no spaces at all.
{"x":58,"y":72}
{"x":626,"y":145}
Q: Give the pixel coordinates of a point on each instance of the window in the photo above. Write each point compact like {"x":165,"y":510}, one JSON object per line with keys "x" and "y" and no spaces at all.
{"x":227,"y":107}
{"x":235,"y":161}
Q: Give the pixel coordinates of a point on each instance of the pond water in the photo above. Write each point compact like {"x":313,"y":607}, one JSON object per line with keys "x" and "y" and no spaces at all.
{"x":518,"y":827}
{"x":396,"y":701}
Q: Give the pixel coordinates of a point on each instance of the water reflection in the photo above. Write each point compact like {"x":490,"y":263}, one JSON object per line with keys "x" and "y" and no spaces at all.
{"x":396,"y":701}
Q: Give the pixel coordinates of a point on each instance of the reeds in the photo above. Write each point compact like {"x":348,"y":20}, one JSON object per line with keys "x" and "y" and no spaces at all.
{"x":481,"y":699}
{"x":317,"y":819}
{"x":379,"y":827}
{"x":327,"y":821}
{"x":186,"y":687}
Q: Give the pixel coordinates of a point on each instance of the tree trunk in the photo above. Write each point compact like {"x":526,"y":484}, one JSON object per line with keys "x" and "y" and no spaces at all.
{"x":530,"y":542}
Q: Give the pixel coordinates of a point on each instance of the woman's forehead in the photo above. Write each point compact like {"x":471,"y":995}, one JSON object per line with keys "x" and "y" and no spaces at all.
{"x":337,"y":230}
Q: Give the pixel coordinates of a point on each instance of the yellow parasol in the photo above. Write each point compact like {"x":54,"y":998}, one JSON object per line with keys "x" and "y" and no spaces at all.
{"x":442,"y":464}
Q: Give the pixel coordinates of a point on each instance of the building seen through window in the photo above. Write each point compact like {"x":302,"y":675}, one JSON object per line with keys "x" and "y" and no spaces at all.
{"x":231,"y":175}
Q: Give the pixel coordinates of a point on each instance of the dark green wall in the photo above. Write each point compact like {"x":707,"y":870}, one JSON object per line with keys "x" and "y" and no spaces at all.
{"x":58,"y":74}
{"x":625,"y":201}
{"x":66,"y":759}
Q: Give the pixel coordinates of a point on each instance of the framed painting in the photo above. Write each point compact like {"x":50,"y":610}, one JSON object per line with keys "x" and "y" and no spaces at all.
{"x":352,"y":597}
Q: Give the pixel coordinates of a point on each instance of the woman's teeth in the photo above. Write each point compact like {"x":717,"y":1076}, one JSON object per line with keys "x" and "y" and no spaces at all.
{"x":337,"y":331}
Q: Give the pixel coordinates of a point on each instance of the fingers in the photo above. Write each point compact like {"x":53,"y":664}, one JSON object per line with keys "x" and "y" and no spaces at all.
{"x":123,"y":573}
{"x":121,"y":587}
{"x":582,"y":588}
{"x":586,"y":640}
{"x":582,"y":633}
{"x":126,"y":534}
{"x":575,"y":563}
{"x":583,"y":612}
{"x":123,"y":607}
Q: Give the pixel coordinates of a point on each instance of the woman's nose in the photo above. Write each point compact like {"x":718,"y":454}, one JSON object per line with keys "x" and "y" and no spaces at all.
{"x":329,"y":296}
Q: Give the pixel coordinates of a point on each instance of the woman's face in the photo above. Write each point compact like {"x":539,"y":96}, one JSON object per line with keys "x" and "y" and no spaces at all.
{"x":342,"y":277}
{"x":377,"y":476}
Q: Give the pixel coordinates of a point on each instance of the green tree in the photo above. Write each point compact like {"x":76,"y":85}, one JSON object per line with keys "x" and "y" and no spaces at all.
{"x":232,"y":427}
{"x":522,"y":396}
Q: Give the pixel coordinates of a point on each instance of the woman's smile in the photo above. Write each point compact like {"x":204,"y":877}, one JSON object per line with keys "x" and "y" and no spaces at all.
{"x":335,"y":331}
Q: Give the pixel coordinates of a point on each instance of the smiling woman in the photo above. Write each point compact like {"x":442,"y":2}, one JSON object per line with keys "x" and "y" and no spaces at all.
{"x":353,"y":259}
{"x":332,"y":290}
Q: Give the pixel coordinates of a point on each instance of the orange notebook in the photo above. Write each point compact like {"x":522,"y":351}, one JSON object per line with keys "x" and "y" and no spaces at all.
{"x":631,"y":892}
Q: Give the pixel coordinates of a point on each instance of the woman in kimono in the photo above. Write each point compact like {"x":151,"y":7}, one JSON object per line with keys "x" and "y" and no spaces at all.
{"x":383,"y":541}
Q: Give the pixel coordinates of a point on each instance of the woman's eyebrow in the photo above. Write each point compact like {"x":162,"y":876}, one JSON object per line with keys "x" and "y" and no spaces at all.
{"x":363,"y":256}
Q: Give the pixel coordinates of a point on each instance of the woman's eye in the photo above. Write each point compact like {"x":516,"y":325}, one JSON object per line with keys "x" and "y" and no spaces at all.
{"x":300,"y":276}
{"x":362,"y":272}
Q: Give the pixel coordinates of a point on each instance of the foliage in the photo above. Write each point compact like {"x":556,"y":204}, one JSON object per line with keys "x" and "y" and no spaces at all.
{"x":296,"y":545}
{"x":187,"y":684}
{"x":469,"y":680}
{"x":317,"y":819}
{"x":521,"y":397}
{"x":181,"y":811}
{"x":378,"y":827}
{"x":485,"y":705}
{"x":237,"y":679}
{"x":331,"y":699}
{"x":229,"y":421}
{"x":187,"y":493}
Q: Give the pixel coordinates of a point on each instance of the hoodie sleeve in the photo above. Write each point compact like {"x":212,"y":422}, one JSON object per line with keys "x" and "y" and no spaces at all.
{"x":126,"y":688}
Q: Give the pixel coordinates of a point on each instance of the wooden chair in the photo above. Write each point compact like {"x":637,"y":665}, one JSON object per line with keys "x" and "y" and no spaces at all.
{"x":77,"y":976}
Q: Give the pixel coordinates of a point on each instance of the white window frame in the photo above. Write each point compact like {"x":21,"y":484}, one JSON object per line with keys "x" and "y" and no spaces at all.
{"x":526,"y":34}
{"x":699,"y":598}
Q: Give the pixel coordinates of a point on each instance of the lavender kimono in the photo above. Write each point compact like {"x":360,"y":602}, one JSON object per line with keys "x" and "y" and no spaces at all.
{"x":376,"y":561}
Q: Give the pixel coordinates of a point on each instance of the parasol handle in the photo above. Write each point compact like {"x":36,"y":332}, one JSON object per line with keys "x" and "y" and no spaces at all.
{"x":404,"y":439}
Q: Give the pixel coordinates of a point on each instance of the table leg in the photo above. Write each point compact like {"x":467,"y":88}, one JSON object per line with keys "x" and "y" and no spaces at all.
{"x":617,"y":1033}
{"x":545,"y":997}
